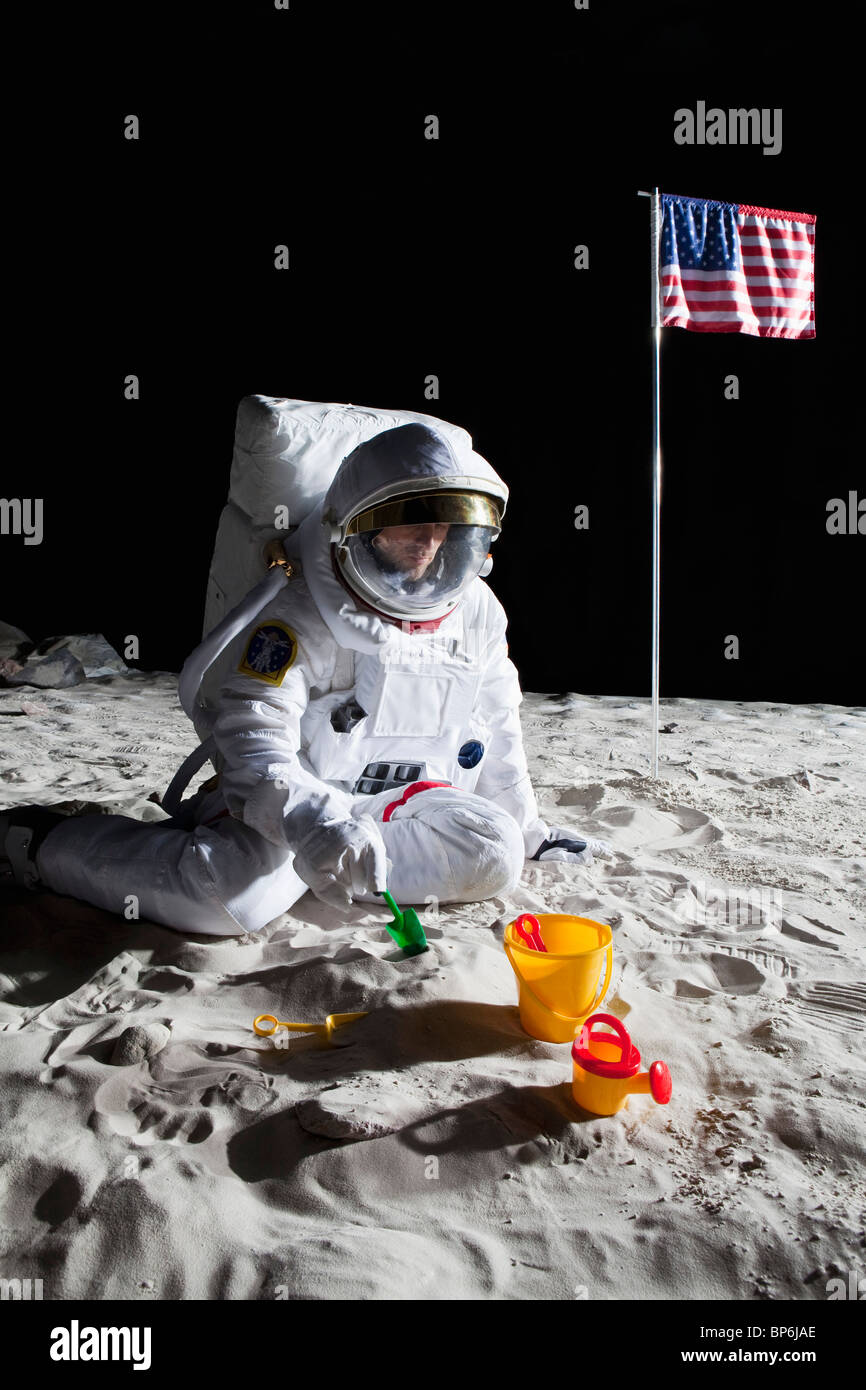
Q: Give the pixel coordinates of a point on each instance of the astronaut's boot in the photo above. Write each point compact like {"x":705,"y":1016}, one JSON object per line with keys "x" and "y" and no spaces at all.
{"x":22,"y":831}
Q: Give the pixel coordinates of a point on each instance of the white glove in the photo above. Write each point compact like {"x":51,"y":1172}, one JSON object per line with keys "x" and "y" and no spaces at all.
{"x":570,"y":847}
{"x":343,"y":858}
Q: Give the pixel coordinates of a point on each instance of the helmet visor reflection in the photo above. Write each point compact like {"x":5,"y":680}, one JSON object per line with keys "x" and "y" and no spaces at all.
{"x":461,"y":508}
{"x":408,"y":585}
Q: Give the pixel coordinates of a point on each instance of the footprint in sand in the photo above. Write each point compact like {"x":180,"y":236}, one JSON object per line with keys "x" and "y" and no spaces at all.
{"x":181,"y":1110}
{"x":112,"y":990}
{"x":158,"y":1122}
{"x":836,"y":1006}
{"x":645,"y":828}
{"x":356,"y":1112}
{"x":680,"y":970}
{"x":349,"y":1261}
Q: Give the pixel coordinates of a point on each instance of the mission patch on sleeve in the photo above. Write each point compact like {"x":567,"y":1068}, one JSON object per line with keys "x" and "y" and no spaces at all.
{"x":270,"y":652}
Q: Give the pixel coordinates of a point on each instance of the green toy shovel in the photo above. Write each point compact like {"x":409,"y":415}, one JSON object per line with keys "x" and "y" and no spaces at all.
{"x":406,"y":928}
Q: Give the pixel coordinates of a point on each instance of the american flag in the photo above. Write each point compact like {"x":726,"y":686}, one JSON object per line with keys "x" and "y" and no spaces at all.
{"x":732,"y":268}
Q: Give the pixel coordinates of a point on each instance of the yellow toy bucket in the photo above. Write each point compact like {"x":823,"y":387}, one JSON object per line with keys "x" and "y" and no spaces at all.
{"x":558,"y":988}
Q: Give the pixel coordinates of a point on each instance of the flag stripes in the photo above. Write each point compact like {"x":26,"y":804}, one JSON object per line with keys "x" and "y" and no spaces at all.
{"x":735,"y":268}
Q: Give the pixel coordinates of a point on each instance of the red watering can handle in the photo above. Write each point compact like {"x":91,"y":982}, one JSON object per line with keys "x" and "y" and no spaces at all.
{"x":619,"y":1028}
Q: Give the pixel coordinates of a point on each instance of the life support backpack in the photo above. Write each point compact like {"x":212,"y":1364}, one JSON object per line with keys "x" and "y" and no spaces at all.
{"x":285,"y":457}
{"x":286,"y":453}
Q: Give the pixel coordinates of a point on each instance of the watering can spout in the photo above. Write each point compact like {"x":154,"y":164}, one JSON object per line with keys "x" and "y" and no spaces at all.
{"x":656,"y":1083}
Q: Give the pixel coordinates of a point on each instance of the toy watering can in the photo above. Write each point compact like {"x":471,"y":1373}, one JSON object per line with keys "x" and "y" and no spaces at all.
{"x":607,"y":1071}
{"x":558,"y":962}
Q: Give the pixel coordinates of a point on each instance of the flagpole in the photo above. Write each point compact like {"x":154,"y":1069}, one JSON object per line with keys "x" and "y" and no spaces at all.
{"x":655,"y":321}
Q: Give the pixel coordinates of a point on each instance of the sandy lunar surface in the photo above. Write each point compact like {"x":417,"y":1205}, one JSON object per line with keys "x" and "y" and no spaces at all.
{"x":435,"y":1151}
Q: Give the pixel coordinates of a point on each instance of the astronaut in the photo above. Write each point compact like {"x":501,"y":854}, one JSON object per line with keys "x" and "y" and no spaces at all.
{"x":367,"y":735}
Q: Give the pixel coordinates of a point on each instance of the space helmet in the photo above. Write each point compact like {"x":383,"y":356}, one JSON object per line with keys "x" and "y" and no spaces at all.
{"x":420,"y":525}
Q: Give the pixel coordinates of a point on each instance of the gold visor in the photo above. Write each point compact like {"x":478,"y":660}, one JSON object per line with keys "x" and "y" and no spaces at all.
{"x":461,"y":508}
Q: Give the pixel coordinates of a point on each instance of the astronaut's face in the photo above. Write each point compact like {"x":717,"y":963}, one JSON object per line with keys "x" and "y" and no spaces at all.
{"x":411,"y":549}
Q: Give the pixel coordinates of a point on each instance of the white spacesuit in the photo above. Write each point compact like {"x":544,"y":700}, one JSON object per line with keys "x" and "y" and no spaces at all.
{"x":369,"y":733}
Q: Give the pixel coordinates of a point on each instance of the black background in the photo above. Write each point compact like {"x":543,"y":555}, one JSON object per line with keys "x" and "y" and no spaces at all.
{"x":453,"y":257}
